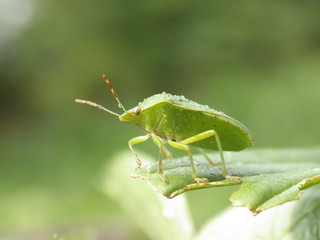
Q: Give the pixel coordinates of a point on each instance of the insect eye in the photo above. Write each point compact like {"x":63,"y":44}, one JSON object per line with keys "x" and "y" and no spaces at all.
{"x":136,"y":111}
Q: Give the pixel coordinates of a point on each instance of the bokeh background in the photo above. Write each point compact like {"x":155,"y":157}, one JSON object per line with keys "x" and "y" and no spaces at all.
{"x":258,"y":61}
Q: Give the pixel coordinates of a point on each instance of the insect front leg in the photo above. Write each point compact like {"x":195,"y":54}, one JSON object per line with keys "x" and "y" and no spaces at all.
{"x":207,"y":134}
{"x":187,"y":148}
{"x":134,"y":141}
{"x":159,"y":142}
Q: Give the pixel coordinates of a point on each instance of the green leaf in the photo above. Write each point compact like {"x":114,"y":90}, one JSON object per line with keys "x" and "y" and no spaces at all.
{"x":268,"y":190}
{"x":158,"y":217}
{"x":292,"y":221}
{"x":269,"y":176}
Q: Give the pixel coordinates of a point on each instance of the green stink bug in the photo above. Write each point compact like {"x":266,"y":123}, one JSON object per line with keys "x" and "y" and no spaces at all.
{"x":182,"y":123}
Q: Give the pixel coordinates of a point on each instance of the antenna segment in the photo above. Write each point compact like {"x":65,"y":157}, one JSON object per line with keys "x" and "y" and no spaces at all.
{"x":96,"y":105}
{"x":113,"y":92}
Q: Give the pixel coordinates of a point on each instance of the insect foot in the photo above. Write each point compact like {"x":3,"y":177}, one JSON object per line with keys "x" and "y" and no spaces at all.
{"x":138,"y":161}
{"x":237,"y":179}
{"x":215,"y":164}
{"x":201,"y":180}
{"x":164,"y":179}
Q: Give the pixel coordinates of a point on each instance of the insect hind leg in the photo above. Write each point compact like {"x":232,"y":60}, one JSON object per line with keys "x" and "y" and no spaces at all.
{"x":208,"y":158}
{"x":187,"y":148}
{"x":168,"y":153}
{"x":159,"y":142}
{"x":207,"y":134}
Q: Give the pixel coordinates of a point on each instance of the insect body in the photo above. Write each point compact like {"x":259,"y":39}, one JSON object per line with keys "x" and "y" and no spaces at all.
{"x":182,"y":123}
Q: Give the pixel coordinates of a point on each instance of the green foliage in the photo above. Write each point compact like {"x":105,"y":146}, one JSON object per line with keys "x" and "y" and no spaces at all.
{"x":255,"y":60}
{"x":293,"y":221}
{"x":268,"y":190}
{"x":158,"y":217}
{"x":55,"y":237}
{"x":269,"y":176}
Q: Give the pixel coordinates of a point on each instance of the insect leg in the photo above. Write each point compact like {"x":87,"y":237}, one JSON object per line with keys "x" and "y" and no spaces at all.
{"x":134,"y":141}
{"x":207,"y":158}
{"x":205,"y":135}
{"x":159,"y":142}
{"x":187,"y":148}
{"x":168,"y":153}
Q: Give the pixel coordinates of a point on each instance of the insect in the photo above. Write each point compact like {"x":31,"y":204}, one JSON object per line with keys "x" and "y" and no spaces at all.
{"x":181,"y":123}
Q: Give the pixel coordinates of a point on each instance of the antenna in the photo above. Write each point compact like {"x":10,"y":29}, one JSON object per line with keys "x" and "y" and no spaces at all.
{"x":96,"y":105}
{"x":113,"y":92}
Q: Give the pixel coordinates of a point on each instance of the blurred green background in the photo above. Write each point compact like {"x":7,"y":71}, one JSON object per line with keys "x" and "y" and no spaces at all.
{"x":258,"y":61}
